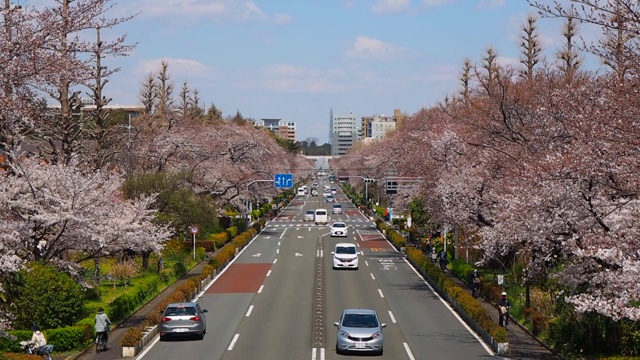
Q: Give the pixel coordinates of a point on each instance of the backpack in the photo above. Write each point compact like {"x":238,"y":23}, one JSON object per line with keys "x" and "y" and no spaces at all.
{"x":476,"y":280}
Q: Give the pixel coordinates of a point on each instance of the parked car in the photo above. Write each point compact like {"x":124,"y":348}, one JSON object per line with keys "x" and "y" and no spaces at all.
{"x":345,"y":256}
{"x":183,"y":319}
{"x":336,"y":209}
{"x":310,"y":215}
{"x":359,"y":330}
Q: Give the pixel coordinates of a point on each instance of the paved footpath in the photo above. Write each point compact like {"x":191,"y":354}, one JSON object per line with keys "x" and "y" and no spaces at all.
{"x":115,"y":351}
{"x":522,"y":344}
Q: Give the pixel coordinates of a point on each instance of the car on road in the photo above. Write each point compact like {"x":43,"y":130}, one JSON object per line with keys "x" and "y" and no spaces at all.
{"x":336,"y":209}
{"x":330,"y":198}
{"x":334,"y":191}
{"x":359,"y":330}
{"x":183,"y":319}
{"x":321,"y":216}
{"x":345,"y":256}
{"x":314,"y":192}
{"x":339,"y":228}
{"x":310,"y":215}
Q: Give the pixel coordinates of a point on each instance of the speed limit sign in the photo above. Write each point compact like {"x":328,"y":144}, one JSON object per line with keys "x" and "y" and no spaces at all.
{"x":194,"y":229}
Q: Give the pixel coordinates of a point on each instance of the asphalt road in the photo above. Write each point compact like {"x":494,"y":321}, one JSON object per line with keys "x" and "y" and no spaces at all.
{"x":279,"y":298}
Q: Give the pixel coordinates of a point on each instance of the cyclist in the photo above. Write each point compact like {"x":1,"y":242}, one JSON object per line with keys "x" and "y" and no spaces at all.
{"x":503,"y":310}
{"x":37,"y":339}
{"x":102,"y":323}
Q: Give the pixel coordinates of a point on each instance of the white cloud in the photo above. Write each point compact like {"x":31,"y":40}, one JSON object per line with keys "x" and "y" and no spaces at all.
{"x":178,"y":68}
{"x":390,"y":6}
{"x":288,"y":78}
{"x":436,"y":3}
{"x":490,"y":4}
{"x":222,"y":10}
{"x":369,"y":48}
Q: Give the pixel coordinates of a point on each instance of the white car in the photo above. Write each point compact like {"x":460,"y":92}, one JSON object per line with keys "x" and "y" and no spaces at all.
{"x":339,"y":228}
{"x":345,"y":256}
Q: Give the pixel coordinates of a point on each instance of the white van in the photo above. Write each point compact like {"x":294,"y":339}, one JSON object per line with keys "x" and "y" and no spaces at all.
{"x":301,"y":191}
{"x":321,"y":216}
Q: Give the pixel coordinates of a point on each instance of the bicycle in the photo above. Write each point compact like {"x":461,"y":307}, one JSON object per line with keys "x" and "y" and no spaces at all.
{"x":504,"y":316}
{"x":102,"y":342}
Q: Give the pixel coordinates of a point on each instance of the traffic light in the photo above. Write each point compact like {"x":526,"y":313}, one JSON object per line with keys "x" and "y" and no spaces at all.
{"x":369,"y":180}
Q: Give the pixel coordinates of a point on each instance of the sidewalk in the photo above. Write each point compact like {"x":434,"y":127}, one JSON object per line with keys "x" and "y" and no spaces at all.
{"x":115,"y":350}
{"x":522,"y":344}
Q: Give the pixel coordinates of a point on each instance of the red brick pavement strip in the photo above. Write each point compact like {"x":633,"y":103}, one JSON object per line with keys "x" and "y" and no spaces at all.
{"x":241,"y":278}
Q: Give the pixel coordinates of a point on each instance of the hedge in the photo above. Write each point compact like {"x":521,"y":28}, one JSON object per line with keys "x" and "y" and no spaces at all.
{"x":63,"y":339}
{"x":125,"y":304}
{"x":461,"y":296}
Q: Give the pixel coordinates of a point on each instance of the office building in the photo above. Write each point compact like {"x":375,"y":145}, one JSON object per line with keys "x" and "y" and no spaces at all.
{"x":346,"y":130}
{"x":283,"y":128}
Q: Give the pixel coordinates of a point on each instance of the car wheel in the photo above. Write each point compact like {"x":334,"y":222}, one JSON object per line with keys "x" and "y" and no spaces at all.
{"x":380,"y":352}
{"x":200,"y":336}
{"x":163,"y":338}
{"x":338,"y":351}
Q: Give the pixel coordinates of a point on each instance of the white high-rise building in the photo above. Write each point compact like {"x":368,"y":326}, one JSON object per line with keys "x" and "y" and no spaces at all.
{"x":345,"y":131}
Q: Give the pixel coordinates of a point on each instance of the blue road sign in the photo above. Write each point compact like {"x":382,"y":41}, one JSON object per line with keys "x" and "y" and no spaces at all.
{"x":283,"y":180}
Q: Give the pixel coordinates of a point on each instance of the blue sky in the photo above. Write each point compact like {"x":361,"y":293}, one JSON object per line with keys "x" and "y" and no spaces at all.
{"x":297,"y":59}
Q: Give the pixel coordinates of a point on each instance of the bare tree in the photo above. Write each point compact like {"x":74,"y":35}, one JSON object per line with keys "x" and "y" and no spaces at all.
{"x":530,"y":46}
{"x":465,"y":78}
{"x":149,"y":94}
{"x":165,"y":94}
{"x":569,"y":56}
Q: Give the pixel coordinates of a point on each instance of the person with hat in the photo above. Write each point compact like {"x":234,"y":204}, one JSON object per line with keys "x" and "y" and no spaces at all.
{"x":503,"y":310}
{"x":37,"y":339}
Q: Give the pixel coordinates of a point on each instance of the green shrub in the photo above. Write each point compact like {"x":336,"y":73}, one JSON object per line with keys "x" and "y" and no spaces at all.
{"x":49,"y":298}
{"x":126,"y":304}
{"x":240,"y":223}
{"x":92,"y":293}
{"x":206,"y":245}
{"x":179,"y":268}
{"x":232,"y":231}
{"x":165,"y":275}
{"x":68,"y":338}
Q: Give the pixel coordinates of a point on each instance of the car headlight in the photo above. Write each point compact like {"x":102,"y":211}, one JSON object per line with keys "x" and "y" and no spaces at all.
{"x":344,"y":334}
{"x":376,"y":335}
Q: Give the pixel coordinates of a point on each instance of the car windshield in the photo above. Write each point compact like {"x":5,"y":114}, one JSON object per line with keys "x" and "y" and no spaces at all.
{"x":337,"y":206}
{"x":345,"y":250}
{"x":180,"y":311}
{"x":339,"y":225}
{"x":360,"y":321}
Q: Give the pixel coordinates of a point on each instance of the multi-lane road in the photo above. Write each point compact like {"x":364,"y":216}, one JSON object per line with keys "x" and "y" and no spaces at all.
{"x":279,"y":299}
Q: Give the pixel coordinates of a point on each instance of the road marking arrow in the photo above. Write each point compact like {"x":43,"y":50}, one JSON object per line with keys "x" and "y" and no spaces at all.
{"x":300,"y":237}
{"x":298,"y":254}
{"x":257,"y":255}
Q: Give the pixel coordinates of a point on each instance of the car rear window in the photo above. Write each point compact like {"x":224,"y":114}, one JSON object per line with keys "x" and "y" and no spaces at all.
{"x":180,"y":311}
{"x":345,"y":250}
{"x":337,"y":206}
{"x":310,"y":212}
{"x":321,"y":212}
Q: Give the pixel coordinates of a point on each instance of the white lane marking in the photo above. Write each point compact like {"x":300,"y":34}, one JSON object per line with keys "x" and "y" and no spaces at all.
{"x":277,"y":251}
{"x":268,"y":272}
{"x":408,"y":350}
{"x":486,"y":347}
{"x":366,"y":263}
{"x":251,"y":309}
{"x":380,"y":292}
{"x":315,"y":353}
{"x":233,"y":342}
{"x":309,"y":229}
{"x":318,"y":253}
{"x":275,"y":260}
{"x":278,"y":243}
{"x":260,"y":290}
{"x":281,"y":235}
{"x":372,"y":277}
{"x":393,"y":318}
{"x":321,"y":253}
